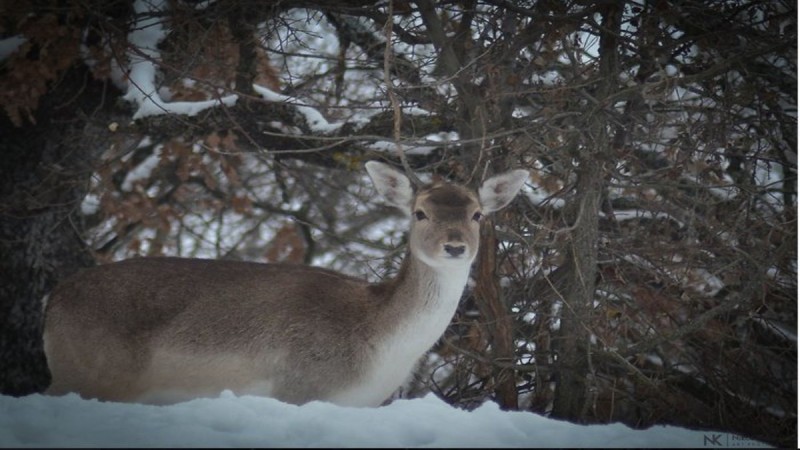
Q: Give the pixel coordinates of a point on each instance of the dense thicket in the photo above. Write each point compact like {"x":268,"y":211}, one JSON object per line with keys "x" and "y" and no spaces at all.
{"x":648,"y":275}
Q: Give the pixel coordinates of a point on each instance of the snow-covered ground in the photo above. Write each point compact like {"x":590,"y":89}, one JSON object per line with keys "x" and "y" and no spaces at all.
{"x":230,"y":421}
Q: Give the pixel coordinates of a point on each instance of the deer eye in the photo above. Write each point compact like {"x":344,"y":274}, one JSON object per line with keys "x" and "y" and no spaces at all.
{"x":477,"y":216}
{"x":420,"y":215}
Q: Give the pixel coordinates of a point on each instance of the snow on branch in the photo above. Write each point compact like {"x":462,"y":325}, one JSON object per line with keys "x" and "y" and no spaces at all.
{"x":148,"y":32}
{"x":315,"y":120}
{"x":10,"y":45}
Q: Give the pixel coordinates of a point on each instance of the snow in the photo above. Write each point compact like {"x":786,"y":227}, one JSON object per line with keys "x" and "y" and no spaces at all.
{"x":248,"y":421}
{"x":142,"y":89}
{"x":90,"y":204}
{"x":143,"y":170}
{"x":391,"y":148}
{"x":314,"y":119}
{"x":9,"y":45}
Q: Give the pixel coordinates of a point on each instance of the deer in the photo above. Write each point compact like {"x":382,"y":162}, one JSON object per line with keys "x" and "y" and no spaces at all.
{"x":163,"y":330}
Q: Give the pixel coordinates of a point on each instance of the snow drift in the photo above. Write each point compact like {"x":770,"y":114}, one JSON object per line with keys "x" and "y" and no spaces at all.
{"x":230,"y":421}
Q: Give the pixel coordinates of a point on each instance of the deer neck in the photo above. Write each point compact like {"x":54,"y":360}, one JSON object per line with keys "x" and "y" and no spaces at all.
{"x":414,"y":312}
{"x":422,"y":293}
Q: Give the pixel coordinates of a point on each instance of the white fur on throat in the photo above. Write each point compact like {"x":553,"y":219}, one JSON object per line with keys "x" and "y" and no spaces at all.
{"x":396,"y":355}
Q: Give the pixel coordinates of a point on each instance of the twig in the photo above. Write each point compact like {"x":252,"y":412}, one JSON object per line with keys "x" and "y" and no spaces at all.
{"x":387,"y":63}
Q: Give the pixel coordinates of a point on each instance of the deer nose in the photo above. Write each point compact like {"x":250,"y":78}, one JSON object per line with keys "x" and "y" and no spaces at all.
{"x":454,"y":236}
{"x":455,"y":250}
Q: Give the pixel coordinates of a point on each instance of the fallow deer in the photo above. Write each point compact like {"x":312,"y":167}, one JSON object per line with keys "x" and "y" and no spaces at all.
{"x":163,"y":330}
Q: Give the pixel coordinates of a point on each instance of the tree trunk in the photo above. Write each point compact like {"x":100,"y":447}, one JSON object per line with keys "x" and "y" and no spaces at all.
{"x":573,"y":358}
{"x":44,"y":176}
{"x":498,"y":322}
{"x":573,"y":395}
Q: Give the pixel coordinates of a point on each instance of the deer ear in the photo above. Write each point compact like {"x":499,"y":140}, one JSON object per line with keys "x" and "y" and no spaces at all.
{"x":498,"y":191}
{"x":392,"y":185}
